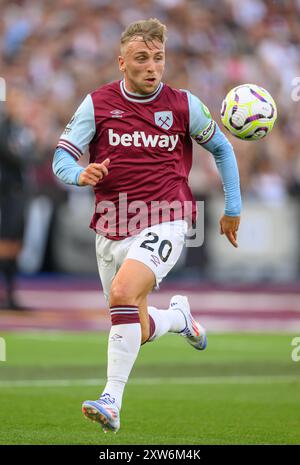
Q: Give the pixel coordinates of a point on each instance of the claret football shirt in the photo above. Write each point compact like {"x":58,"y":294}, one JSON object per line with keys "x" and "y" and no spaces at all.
{"x":148,"y":140}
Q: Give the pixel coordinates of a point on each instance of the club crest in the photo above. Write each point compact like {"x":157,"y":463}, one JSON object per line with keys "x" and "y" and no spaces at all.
{"x":163,"y":119}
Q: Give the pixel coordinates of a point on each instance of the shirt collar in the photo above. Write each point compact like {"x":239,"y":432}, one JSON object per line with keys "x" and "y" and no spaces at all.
{"x":133,"y":97}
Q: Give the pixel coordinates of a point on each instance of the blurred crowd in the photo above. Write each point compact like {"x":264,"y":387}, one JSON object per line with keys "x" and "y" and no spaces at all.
{"x":52,"y":53}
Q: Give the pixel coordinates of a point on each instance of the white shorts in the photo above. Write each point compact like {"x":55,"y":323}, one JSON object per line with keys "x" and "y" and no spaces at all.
{"x":158,"y":247}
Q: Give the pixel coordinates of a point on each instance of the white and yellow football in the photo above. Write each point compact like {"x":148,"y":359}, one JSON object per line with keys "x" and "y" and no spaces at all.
{"x":248,"y":112}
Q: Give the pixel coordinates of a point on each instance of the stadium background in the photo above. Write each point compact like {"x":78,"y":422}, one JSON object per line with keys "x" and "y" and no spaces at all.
{"x":52,"y":53}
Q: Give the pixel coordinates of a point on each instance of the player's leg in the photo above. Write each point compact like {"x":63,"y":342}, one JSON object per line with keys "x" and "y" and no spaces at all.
{"x":164,"y":321}
{"x":130,"y":323}
{"x":131,"y":286}
{"x":137,"y":276}
{"x":159,"y":247}
{"x":177,"y":319}
{"x":130,"y":326}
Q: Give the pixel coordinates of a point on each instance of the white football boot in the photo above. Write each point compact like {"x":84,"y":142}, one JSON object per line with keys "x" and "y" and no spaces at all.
{"x":103,"y":411}
{"x":194,"y":333}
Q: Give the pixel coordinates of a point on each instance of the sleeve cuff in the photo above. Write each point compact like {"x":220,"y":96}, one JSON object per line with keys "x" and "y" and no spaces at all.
{"x":77,"y":176}
{"x":70,"y":148}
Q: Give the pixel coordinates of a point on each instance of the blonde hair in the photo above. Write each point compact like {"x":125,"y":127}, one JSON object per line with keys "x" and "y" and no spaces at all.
{"x":148,"y":29}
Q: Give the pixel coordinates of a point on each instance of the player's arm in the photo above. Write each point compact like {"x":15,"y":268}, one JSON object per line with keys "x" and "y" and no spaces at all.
{"x":71,"y":146}
{"x":205,"y":131}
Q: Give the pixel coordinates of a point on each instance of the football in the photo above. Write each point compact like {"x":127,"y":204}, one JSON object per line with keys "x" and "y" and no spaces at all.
{"x":248,"y":112}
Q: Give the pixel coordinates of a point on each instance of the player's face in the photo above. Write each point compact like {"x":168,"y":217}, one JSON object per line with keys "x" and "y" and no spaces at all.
{"x":143,"y":65}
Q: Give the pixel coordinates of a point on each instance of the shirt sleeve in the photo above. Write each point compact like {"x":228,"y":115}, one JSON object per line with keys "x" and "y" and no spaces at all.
{"x":65,"y":167}
{"x":202,"y":126}
{"x":205,"y":131}
{"x":80,"y":130}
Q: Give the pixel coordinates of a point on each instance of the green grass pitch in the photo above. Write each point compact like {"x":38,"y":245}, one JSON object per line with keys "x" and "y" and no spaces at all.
{"x":244,"y":389}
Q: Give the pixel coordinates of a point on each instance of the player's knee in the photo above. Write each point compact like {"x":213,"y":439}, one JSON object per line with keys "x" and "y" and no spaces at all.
{"x":121,"y":295}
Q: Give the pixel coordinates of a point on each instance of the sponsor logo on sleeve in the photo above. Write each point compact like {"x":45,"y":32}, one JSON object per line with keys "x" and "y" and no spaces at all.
{"x":68,"y":128}
{"x":206,"y":110}
{"x":206,"y":134}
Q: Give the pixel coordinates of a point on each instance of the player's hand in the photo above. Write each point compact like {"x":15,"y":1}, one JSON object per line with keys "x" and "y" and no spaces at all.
{"x":93,"y":173}
{"x":229,"y":226}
